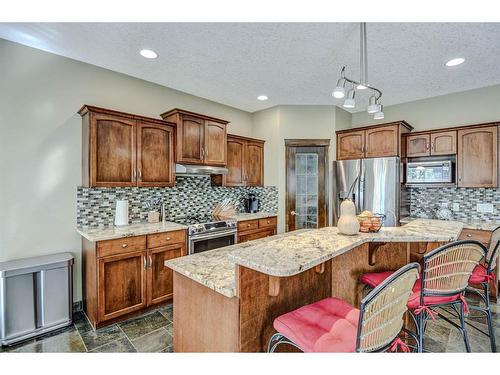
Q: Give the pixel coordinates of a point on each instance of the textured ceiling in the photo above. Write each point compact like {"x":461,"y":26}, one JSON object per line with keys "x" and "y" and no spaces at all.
{"x":292,"y":63}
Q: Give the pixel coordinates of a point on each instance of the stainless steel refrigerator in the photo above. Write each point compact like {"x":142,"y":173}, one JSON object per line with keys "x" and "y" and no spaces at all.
{"x":375,"y":186}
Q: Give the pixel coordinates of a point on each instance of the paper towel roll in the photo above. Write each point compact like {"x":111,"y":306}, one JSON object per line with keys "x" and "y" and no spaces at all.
{"x":121,"y":212}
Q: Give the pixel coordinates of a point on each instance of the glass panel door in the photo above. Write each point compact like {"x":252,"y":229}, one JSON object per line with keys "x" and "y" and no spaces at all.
{"x":306,"y":198}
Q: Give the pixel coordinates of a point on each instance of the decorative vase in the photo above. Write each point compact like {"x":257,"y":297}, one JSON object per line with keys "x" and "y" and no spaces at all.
{"x":348,"y":222}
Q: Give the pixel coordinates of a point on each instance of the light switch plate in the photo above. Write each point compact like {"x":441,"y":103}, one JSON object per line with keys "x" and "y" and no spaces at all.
{"x":485,"y":207}
{"x":456,"y":206}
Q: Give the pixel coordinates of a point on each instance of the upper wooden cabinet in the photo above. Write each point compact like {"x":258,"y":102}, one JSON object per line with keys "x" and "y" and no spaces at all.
{"x":477,"y":160}
{"x":200,"y":139}
{"x":432,"y":144}
{"x":245,"y":162}
{"x":121,"y":149}
{"x":371,"y":141}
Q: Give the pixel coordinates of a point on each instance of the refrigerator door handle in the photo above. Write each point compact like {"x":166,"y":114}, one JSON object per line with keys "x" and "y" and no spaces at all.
{"x":361,"y":184}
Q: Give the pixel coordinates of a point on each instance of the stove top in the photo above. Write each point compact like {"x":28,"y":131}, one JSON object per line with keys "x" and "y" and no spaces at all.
{"x":205,"y":223}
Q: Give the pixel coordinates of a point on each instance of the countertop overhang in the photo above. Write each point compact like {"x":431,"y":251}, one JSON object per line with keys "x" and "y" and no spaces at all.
{"x":294,"y":252}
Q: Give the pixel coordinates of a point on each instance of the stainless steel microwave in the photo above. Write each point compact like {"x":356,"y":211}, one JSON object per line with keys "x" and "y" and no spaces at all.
{"x":429,"y":172}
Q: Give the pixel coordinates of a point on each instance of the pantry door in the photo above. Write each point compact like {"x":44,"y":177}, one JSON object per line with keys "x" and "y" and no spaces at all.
{"x":306,"y":183}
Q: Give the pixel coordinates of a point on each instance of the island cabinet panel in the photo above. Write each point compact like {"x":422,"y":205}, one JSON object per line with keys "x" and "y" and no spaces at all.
{"x":258,"y":309}
{"x":155,"y":152}
{"x":351,"y":145}
{"x":382,"y":141}
{"x":122,"y":149}
{"x":482,"y":236}
{"x":418,"y":145}
{"x":250,"y":230}
{"x":122,"y":284}
{"x":201,"y":139}
{"x":125,"y":276}
{"x":477,"y":160}
{"x":204,"y":320}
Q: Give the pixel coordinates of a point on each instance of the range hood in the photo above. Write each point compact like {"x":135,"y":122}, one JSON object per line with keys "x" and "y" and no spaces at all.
{"x":186,"y":169}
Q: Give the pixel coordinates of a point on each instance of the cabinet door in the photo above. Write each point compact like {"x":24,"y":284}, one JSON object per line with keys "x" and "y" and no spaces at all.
{"x":418,"y":145}
{"x":190,"y":140}
{"x":444,"y":143}
{"x":121,"y":284}
{"x":112,"y":151}
{"x":382,"y":141}
{"x":215,"y":143}
{"x":254,"y":164}
{"x":155,"y":155}
{"x":160,"y":278}
{"x":235,"y":162}
{"x":256,"y":235}
{"x":477,"y":157}
{"x":351,"y":145}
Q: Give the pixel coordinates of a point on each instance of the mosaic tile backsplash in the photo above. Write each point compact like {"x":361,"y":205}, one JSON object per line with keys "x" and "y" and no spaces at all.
{"x":192,"y":195}
{"x":425,"y":201}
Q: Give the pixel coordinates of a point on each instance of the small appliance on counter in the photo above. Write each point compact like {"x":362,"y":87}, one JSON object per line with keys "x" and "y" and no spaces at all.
{"x":251,"y":203}
{"x":121,"y":213}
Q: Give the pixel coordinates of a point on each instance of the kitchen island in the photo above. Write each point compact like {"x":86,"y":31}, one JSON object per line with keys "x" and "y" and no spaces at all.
{"x":226,"y":299}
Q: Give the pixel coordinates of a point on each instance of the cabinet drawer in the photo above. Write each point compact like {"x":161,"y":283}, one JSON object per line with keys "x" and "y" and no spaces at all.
{"x":267,"y":222}
{"x":120,"y":246}
{"x":248,"y":225}
{"x":482,"y":236}
{"x":166,"y":238}
{"x":256,"y":235}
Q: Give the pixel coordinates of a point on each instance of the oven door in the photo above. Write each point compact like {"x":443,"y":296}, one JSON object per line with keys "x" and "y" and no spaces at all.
{"x":210,"y":241}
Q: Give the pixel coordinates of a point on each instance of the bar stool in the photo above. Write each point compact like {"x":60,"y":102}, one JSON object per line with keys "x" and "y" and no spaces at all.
{"x":333,"y":325}
{"x":481,"y":276}
{"x":444,"y":278}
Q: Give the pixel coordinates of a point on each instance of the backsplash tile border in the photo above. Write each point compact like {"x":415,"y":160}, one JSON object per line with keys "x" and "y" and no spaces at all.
{"x":192,"y":195}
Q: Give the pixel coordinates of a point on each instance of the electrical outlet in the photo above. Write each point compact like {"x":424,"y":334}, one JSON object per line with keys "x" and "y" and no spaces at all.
{"x":456,"y":206}
{"x":444,"y":205}
{"x":484,"y":207}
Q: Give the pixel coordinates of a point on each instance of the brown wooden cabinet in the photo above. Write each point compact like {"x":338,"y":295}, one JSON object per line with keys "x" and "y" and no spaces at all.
{"x":477,"y":160}
{"x":126,"y":275}
{"x":200,"y":139}
{"x":432,"y":144}
{"x":245,"y":162}
{"x":121,"y":149}
{"x":371,"y":141}
{"x":250,"y":230}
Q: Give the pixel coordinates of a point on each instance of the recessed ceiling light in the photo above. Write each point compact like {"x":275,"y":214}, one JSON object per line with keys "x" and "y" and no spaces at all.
{"x":455,"y":62}
{"x":262,"y":97}
{"x":148,"y":54}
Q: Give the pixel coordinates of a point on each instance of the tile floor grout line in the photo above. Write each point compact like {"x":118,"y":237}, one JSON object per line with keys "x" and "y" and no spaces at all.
{"x":128,"y":338}
{"x":81,"y":338}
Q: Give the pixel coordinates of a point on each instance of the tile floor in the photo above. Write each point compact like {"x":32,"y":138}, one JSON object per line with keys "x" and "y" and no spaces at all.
{"x":149,"y":333}
{"x":153,"y":332}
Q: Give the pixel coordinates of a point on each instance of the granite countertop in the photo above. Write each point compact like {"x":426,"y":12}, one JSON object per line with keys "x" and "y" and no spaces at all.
{"x":478,"y":225}
{"x":110,"y":233}
{"x":294,"y":252}
{"x":242,"y":216}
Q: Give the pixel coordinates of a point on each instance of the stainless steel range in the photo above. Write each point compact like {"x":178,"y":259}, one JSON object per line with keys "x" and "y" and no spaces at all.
{"x":208,"y":232}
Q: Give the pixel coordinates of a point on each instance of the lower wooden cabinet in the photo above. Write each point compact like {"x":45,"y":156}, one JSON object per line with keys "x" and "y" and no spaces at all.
{"x":250,"y":230}
{"x":124,"y":276}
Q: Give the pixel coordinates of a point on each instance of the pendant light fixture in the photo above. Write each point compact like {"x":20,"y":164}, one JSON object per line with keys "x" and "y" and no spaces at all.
{"x":375,"y":106}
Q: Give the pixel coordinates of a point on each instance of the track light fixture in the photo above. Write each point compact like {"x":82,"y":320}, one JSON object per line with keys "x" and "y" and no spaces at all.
{"x":375,"y":103}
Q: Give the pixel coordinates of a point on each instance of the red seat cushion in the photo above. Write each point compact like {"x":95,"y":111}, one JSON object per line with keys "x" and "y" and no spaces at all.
{"x":376,"y":278}
{"x":479,"y":275}
{"x":329,"y":325}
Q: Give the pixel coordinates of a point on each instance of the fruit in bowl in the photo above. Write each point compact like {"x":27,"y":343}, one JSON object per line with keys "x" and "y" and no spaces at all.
{"x":370,"y":222}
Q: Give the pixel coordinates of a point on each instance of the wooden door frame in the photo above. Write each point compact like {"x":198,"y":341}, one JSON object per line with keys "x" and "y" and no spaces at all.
{"x":308,"y":143}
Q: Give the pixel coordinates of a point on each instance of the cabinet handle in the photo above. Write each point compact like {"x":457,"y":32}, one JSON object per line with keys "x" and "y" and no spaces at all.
{"x":203,"y":153}
{"x":469,"y":235}
{"x":248,"y":225}
{"x":206,"y":152}
{"x":135,"y":174}
{"x":124,"y":245}
{"x":145,"y":262}
{"x":168,"y":238}
{"x":150,"y":261}
{"x":139,"y":173}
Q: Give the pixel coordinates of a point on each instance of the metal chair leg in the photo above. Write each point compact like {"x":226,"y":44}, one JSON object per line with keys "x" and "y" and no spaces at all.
{"x":463,"y":329}
{"x":272,"y":344}
{"x":420,"y":332}
{"x":491,"y":330}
